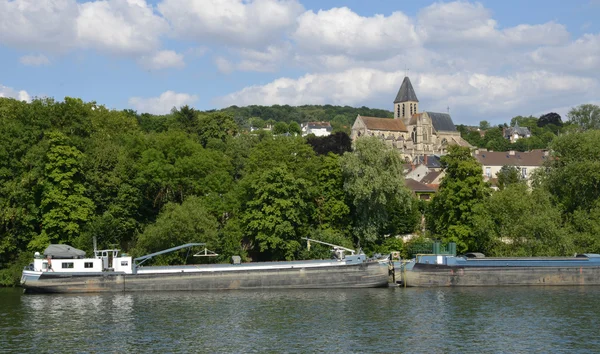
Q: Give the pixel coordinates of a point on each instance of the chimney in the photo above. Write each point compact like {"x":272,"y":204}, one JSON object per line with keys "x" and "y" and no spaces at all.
{"x":425,"y":160}
{"x":511,"y":152}
{"x":477,"y":152}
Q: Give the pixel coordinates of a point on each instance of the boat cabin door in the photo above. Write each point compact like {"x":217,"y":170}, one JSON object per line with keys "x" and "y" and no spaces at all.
{"x":107,"y":257}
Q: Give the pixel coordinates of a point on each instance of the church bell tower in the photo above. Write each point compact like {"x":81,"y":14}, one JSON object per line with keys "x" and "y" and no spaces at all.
{"x":406,"y":103}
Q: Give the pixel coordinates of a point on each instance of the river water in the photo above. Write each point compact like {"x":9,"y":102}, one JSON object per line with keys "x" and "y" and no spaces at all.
{"x":493,"y":320}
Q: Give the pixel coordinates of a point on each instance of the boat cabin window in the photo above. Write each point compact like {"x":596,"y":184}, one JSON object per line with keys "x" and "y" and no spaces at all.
{"x":88,"y":265}
{"x":124,"y":263}
{"x":45,"y":265}
{"x":67,"y":265}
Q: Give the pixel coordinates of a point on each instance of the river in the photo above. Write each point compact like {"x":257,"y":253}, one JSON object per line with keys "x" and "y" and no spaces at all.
{"x":509,"y":320}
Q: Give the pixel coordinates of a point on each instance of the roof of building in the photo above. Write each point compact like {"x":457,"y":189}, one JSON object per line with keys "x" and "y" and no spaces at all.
{"x":521,"y":131}
{"x":432,"y":161}
{"x":387,"y":124}
{"x":430,"y":177}
{"x":313,"y":125}
{"x":406,"y":92}
{"x":416,"y":186}
{"x":441,"y":121}
{"x":512,"y":158}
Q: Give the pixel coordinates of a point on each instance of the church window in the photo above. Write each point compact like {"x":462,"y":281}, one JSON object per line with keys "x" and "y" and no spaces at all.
{"x":411,"y":110}
{"x":403,"y":112}
{"x":398,"y":111}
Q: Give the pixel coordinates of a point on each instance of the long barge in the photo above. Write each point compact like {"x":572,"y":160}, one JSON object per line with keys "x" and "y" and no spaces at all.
{"x":476,"y":270}
{"x":63,"y":269}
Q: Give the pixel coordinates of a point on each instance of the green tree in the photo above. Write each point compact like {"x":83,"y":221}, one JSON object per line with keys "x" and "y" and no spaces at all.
{"x":276,"y":213}
{"x":178,"y":224}
{"x":450,"y":214}
{"x":519,"y":222}
{"x":65,"y":207}
{"x":484,"y":125}
{"x":586,"y":116}
{"x":216,"y":125}
{"x":508,"y":175}
{"x":280,"y":128}
{"x":374,"y":182}
{"x":294,"y":128}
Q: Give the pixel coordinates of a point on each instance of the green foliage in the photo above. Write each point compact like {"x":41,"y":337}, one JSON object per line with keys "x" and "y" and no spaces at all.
{"x":586,"y":116}
{"x":178,"y":224}
{"x":280,"y":128}
{"x":519,"y":222}
{"x":374,"y":182}
{"x":508,"y":175}
{"x":275,"y":213}
{"x":451,"y":211}
{"x":217,"y":126}
{"x":484,"y":125}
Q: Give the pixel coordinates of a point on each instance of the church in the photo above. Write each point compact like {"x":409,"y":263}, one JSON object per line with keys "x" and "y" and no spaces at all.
{"x":413,"y":133}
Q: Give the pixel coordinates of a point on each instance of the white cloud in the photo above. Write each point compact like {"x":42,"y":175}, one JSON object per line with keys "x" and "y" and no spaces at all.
{"x":580,"y":55}
{"x":223,"y":65}
{"x":163,"y":103}
{"x":464,"y":24}
{"x":34,"y":60}
{"x":120,"y":26}
{"x":163,"y":60}
{"x":342,"y":31}
{"x":123,"y":27}
{"x":38,"y":24}
{"x":470,"y":95}
{"x":244,"y":23}
{"x":9,"y":92}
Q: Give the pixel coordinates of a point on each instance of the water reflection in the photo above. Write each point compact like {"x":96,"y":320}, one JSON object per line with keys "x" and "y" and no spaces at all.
{"x":367,"y":320}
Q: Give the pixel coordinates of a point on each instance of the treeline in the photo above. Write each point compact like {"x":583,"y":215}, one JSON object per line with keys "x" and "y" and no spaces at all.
{"x":73,"y":170}
{"x":558,"y":213}
{"x":543,"y":129}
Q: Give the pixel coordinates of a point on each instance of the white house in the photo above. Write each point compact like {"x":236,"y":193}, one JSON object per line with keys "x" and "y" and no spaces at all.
{"x":316,"y":128}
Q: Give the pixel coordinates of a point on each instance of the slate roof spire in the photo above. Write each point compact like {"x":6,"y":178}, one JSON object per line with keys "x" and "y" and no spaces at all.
{"x":406,"y":92}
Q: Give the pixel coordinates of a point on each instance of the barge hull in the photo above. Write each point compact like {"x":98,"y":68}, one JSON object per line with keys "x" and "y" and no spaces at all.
{"x":430,"y":275}
{"x":367,"y":275}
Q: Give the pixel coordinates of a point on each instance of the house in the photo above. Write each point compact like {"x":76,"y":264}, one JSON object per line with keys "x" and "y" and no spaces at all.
{"x":316,"y":128}
{"x":417,"y":172}
{"x":411,"y":132}
{"x":515,"y":133}
{"x":433,"y":179}
{"x":526,"y":162}
{"x":421,"y":190}
{"x":432,"y":162}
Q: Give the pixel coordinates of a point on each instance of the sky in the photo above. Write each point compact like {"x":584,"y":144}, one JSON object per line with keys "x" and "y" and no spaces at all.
{"x":487,"y":60}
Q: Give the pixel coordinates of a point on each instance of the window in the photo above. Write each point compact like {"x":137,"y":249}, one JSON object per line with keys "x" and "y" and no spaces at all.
{"x":67,"y":265}
{"x":488,"y":172}
{"x":403,"y":111}
{"x":124,"y":263}
{"x":411,"y":110}
{"x":88,"y":265}
{"x":398,"y":111}
{"x":524,"y":172}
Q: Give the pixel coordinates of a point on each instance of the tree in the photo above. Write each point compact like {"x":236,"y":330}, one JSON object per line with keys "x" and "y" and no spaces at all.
{"x":294,"y":128}
{"x":484,"y":125}
{"x":65,"y":207}
{"x":573,"y":177}
{"x":178,"y":224}
{"x":337,"y":143}
{"x":450,"y":214}
{"x":586,"y":116}
{"x":508,"y":175}
{"x":276,"y":213}
{"x":519,"y":222}
{"x":550,"y":118}
{"x":374,"y":182}
{"x":217,"y":126}
{"x":280,"y":128}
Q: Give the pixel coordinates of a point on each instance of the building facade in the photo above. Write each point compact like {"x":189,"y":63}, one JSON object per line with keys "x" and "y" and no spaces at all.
{"x":413,"y":133}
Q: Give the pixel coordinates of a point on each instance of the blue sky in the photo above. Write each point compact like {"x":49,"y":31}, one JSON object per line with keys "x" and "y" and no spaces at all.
{"x":487,"y":60}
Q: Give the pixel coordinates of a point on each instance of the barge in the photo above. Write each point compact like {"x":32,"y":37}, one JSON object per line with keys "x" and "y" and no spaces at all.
{"x":63,"y":269}
{"x":474,"y":269}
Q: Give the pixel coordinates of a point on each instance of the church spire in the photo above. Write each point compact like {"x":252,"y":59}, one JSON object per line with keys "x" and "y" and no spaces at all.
{"x":406,"y":92}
